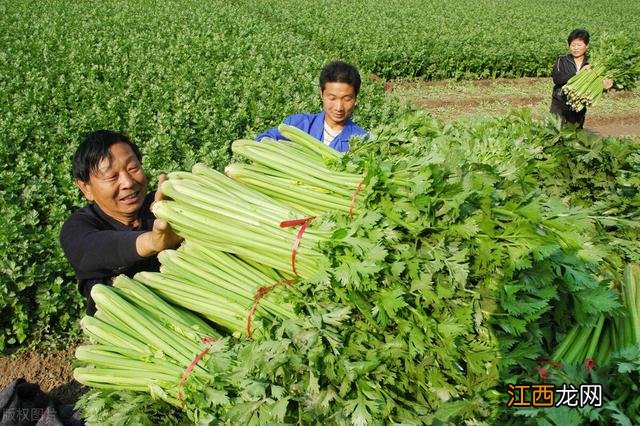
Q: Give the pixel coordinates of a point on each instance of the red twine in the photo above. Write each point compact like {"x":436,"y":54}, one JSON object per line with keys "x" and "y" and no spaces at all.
{"x":552,"y":363}
{"x":353,"y":199}
{"x":191,"y":366}
{"x":543,"y":373}
{"x":262,"y":291}
{"x":589,"y":364}
{"x":296,"y":222}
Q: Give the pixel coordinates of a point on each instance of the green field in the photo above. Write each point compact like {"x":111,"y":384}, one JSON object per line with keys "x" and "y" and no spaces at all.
{"x":528,"y":224}
{"x":184,"y":79}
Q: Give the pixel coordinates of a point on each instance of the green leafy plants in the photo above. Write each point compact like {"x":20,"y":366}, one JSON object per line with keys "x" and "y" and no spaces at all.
{"x":182,"y":80}
{"x":467,"y":261}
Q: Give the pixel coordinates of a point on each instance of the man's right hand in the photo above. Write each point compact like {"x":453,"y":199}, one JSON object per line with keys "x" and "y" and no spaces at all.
{"x":161,"y":237}
{"x":159,"y":195}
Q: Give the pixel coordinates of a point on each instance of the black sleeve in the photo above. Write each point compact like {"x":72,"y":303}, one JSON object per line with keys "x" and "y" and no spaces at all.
{"x":95,"y":252}
{"x":562,"y":72}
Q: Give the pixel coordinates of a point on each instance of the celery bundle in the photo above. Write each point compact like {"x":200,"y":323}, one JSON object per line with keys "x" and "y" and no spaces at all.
{"x":585,"y":88}
{"x":616,"y":57}
{"x":317,"y":189}
{"x":295,"y":172}
{"x":140,"y":342}
{"x":302,"y":173}
{"x":218,"y":286}
{"x":610,"y":334}
{"x":218,"y":213}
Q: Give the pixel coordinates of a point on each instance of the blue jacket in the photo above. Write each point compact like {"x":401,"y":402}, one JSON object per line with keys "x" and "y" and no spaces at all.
{"x":313,"y":124}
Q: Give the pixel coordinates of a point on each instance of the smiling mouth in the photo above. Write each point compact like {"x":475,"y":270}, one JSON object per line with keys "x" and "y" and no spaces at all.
{"x":131,"y":196}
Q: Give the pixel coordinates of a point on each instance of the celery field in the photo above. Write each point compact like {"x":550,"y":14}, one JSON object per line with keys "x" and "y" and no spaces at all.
{"x":186,"y":79}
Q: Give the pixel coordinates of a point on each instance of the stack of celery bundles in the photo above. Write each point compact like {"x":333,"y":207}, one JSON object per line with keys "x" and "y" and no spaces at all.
{"x":616,"y":57}
{"x":405,"y":285}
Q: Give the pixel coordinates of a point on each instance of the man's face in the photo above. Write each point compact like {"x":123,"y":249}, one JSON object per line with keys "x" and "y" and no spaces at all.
{"x":338,"y":101}
{"x":119,"y":185}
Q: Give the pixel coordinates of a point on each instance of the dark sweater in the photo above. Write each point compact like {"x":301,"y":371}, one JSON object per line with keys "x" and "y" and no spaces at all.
{"x":100,"y":248}
{"x":563,"y":70}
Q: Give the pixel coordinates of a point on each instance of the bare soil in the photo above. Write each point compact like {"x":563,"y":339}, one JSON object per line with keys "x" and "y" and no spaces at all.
{"x":623,"y":124}
{"x":470,"y":104}
{"x":53,"y":371}
{"x":617,"y":115}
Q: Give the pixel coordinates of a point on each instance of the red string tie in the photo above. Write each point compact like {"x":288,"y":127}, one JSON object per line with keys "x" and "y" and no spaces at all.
{"x":589,"y":364}
{"x":262,"y":291}
{"x":296,"y":222}
{"x":543,"y":373}
{"x":551,"y":363}
{"x":353,"y":199}
{"x":205,"y":340}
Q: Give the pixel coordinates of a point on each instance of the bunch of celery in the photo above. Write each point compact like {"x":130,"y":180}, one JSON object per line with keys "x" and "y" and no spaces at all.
{"x":585,"y":88}
{"x":302,"y":173}
{"x":218,"y":213}
{"x":219,"y":286}
{"x":610,"y":334}
{"x":614,"y":56}
{"x":140,"y":342}
{"x":295,"y":172}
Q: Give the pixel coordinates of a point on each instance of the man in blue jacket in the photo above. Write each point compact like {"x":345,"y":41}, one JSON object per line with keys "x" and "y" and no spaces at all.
{"x":339,"y":87}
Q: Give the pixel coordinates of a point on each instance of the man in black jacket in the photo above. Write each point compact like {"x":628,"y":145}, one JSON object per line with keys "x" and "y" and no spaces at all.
{"x":116,"y":233}
{"x":567,"y":66}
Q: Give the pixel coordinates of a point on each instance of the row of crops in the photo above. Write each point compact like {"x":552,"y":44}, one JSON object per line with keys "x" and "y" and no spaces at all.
{"x":449,"y":39}
{"x":185,"y":79}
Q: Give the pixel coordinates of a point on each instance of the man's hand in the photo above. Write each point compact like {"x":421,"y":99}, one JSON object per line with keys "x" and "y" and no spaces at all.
{"x":161,"y":237}
{"x":159,"y":195}
{"x":607,"y":83}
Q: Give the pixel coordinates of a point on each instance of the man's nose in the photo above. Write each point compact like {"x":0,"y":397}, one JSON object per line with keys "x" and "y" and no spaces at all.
{"x":126,"y":180}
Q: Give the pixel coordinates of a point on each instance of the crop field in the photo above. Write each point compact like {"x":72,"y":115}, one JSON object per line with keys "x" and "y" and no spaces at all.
{"x":184,"y":79}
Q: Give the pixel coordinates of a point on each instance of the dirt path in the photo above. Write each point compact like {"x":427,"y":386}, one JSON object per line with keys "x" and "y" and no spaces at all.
{"x":625,"y":124}
{"x":618,"y":114}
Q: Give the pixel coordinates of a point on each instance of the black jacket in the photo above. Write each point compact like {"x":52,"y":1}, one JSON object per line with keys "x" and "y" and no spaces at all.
{"x":563,"y":70}
{"x":100,"y":248}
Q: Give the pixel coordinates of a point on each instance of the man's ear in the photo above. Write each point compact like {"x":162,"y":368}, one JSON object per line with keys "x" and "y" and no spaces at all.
{"x":85,"y":187}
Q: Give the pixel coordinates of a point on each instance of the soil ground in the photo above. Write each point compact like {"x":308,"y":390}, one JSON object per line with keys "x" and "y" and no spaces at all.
{"x":53,"y":371}
{"x":617,"y":115}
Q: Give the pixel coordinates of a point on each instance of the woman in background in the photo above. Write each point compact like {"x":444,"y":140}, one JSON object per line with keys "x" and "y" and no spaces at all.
{"x":567,"y":66}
